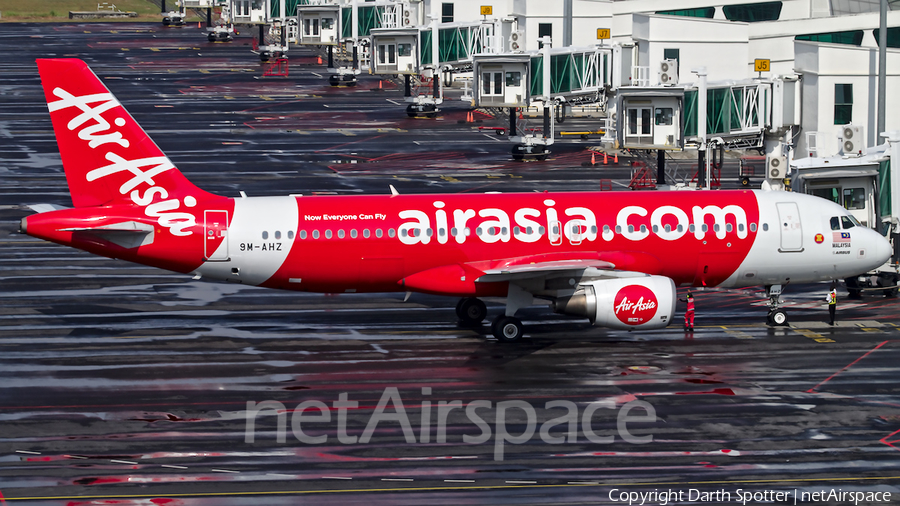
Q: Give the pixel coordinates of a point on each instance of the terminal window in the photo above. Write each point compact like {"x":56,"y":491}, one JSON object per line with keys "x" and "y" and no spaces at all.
{"x":672,"y":54}
{"x":893,"y":36}
{"x":851,"y":37}
{"x":750,"y":13}
{"x":843,"y":104}
{"x":702,"y":12}
{"x":544,"y":30}
{"x":446,"y":12}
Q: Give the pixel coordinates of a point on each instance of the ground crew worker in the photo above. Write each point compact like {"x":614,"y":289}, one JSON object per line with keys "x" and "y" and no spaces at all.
{"x":689,"y":312}
{"x":831,"y":298}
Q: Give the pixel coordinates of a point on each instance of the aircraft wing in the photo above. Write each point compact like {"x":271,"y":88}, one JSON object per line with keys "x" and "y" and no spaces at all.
{"x":460,"y":279}
{"x":542,"y":269}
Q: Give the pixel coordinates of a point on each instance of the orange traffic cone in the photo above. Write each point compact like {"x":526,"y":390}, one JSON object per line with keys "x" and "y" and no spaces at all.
{"x":319,"y":60}
{"x":605,"y":158}
{"x":198,"y":24}
{"x":379,"y":85}
{"x":593,"y":158}
{"x":616,"y":159}
{"x":521,"y":116}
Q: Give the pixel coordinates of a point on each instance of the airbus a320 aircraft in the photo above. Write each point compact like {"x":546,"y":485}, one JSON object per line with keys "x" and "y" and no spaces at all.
{"x":614,"y":258}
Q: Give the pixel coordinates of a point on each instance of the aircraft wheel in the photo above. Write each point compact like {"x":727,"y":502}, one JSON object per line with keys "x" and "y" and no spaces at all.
{"x":777,"y":317}
{"x":471,"y":311}
{"x":507,"y":329}
{"x":211,"y":37}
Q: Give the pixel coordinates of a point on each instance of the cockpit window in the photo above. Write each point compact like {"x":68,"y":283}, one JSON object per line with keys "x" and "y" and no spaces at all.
{"x":835,"y":223}
{"x":847,"y":222}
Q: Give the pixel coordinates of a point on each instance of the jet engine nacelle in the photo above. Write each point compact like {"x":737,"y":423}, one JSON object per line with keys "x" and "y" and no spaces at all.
{"x":623,"y":303}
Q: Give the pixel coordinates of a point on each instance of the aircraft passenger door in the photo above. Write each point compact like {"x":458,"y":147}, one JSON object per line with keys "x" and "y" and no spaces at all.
{"x":215,"y":236}
{"x":791,"y":230}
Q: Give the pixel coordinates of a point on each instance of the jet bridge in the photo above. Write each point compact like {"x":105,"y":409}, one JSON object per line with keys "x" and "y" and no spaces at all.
{"x":755,"y":114}
{"x":412,"y":51}
{"x":345,"y":28}
{"x":554,"y":77}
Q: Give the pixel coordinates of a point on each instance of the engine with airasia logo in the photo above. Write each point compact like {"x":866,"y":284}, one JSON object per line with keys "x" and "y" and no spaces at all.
{"x":646,"y":302}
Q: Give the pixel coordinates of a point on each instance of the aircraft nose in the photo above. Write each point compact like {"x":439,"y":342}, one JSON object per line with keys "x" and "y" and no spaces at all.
{"x":882,"y":248}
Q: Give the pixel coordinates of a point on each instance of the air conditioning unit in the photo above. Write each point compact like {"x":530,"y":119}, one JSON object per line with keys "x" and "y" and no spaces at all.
{"x":668,"y":72}
{"x":853,"y":140}
{"x":776,"y":167}
{"x":517,"y":41}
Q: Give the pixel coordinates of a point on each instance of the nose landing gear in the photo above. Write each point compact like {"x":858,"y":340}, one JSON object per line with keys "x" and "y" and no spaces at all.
{"x":777,"y":317}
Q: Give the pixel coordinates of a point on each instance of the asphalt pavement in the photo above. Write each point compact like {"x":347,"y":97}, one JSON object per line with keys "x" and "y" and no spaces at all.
{"x":123,"y":384}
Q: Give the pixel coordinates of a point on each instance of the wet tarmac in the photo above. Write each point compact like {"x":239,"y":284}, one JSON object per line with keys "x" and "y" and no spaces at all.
{"x":123,"y":384}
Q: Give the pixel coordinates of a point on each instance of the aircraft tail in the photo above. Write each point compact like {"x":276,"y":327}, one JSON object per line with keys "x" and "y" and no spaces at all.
{"x":107,"y":156}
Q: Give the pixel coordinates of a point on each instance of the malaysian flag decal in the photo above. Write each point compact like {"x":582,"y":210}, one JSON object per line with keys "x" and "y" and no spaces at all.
{"x":841,"y":236}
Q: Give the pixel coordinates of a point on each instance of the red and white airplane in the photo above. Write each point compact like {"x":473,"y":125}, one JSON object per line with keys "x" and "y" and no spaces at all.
{"x":614,"y":258}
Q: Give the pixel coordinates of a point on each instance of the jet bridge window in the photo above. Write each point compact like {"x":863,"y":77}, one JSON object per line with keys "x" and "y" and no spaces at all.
{"x":492,"y":83}
{"x":311,"y":27}
{"x":327,"y":23}
{"x":827,"y":194}
{"x":854,"y":198}
{"x":514,"y":79}
{"x":404,"y":49}
{"x":664,"y":115}
{"x":387,"y":53}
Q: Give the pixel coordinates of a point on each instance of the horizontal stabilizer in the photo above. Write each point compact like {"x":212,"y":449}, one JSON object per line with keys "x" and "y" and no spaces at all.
{"x":128,"y":235}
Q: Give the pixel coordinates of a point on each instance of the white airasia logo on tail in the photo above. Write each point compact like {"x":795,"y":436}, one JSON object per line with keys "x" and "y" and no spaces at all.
{"x":96,"y":130}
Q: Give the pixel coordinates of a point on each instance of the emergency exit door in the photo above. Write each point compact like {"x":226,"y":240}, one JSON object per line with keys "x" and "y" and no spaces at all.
{"x":791,"y":229}
{"x":215,"y":235}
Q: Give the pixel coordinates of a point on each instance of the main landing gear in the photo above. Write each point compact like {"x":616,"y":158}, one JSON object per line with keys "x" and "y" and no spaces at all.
{"x":472,"y":311}
{"x":506,"y":327}
{"x":777,"y":317}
